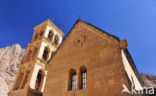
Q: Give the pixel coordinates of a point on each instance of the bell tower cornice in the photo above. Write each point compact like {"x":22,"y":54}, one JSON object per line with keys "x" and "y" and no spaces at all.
{"x":51,"y":24}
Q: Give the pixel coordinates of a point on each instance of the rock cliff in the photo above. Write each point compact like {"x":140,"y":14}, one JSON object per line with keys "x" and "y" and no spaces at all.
{"x":10,"y":58}
{"x":149,"y":80}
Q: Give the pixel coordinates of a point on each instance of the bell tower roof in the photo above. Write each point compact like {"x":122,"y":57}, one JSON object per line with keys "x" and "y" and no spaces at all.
{"x":50,"y":23}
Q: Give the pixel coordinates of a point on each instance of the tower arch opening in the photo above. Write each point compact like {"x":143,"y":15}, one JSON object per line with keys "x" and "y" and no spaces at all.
{"x":56,"y":40}
{"x":36,"y":36}
{"x":50,"y":35}
{"x":41,"y":34}
{"x":45,"y":53}
{"x":39,"y":80}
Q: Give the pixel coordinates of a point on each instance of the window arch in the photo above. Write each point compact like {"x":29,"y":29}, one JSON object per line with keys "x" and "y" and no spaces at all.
{"x":39,"y":80}
{"x":56,"y":40}
{"x":45,"y":53}
{"x":72,"y":80}
{"x":41,"y":34}
{"x":50,"y":35}
{"x":36,"y":36}
{"x":83,"y":77}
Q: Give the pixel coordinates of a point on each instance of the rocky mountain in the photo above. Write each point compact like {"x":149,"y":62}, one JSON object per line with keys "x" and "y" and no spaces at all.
{"x":10,"y":58}
{"x":149,"y":80}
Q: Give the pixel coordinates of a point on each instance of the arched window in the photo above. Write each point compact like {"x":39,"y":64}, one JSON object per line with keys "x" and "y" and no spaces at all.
{"x":41,"y":34}
{"x":83,"y":78}
{"x":36,"y":36}
{"x":50,"y":35}
{"x":72,"y":80}
{"x":56,"y":40}
{"x":39,"y":80}
{"x":45,"y":53}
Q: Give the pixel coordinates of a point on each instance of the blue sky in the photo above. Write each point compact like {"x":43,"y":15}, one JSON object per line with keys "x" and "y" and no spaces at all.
{"x":131,"y":19}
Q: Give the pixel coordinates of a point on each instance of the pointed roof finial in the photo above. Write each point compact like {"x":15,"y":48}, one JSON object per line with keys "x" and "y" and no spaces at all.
{"x":52,"y":19}
{"x":79,"y":16}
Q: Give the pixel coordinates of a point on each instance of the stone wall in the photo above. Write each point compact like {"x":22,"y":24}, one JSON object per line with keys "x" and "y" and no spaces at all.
{"x":99,"y":53}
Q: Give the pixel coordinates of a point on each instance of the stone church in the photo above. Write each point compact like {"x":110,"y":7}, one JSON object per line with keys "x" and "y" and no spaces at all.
{"x":89,"y":62}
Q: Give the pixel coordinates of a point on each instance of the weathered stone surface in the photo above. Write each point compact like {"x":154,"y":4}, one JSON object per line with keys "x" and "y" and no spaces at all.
{"x":149,"y":80}
{"x":86,"y":46}
{"x":10,"y":58}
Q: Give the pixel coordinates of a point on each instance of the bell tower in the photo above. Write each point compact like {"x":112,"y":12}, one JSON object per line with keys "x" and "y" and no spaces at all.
{"x":31,"y":77}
